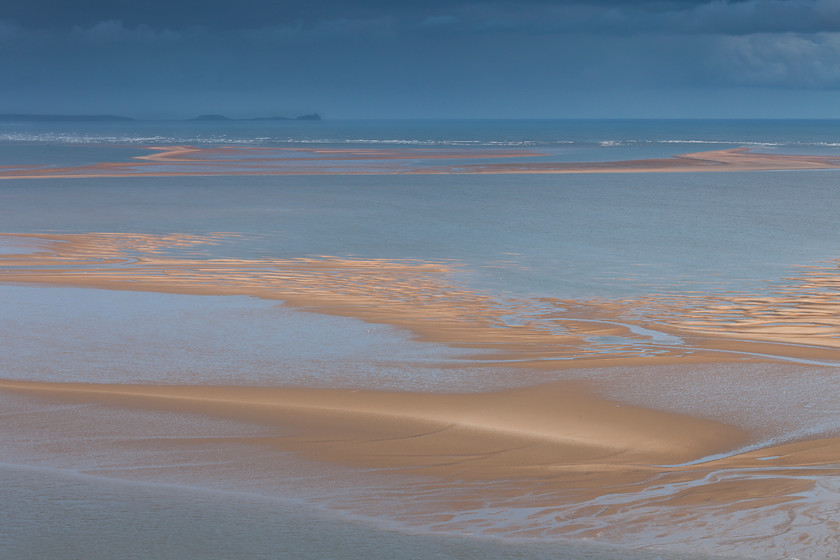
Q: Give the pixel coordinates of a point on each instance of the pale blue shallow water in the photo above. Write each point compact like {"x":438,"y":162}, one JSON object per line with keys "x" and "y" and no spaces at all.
{"x":567,"y":236}
{"x":561,"y":236}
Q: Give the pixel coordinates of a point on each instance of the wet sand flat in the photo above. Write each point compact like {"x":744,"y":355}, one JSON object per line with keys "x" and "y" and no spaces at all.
{"x":583,"y":465}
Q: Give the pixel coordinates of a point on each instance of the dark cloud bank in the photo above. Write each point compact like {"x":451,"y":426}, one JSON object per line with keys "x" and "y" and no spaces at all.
{"x":752,"y":58}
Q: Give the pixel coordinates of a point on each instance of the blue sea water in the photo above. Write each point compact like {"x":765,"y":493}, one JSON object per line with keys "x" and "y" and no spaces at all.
{"x":565,"y":236}
{"x":593,"y":236}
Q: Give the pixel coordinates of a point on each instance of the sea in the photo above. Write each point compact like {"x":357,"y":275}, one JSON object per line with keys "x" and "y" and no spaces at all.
{"x":604,"y":237}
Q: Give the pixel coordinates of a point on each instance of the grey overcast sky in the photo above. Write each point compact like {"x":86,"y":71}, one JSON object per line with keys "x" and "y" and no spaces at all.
{"x":422,"y":58}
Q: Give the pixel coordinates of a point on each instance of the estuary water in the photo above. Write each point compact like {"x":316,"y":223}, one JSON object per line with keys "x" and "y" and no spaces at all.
{"x":609,"y":238}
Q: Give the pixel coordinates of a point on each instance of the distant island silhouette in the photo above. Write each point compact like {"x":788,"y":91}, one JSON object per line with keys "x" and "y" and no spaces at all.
{"x":214,"y":117}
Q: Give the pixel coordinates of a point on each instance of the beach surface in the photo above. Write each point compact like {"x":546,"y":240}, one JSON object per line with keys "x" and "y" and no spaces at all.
{"x":581,"y":458}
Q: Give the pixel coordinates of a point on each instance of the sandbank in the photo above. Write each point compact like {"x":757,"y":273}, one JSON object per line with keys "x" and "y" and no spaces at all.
{"x":171,"y":161}
{"x":424,"y":298}
{"x":579,"y":465}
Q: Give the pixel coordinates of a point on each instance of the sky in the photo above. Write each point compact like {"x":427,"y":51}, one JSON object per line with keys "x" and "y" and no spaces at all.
{"x":422,"y":58}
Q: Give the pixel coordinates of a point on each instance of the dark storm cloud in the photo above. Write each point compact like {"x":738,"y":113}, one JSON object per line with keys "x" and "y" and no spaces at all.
{"x":413,"y":58}
{"x":742,"y":16}
{"x":804,"y":61}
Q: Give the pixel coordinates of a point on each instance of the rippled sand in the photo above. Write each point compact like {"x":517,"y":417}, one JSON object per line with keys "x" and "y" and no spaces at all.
{"x":547,"y":460}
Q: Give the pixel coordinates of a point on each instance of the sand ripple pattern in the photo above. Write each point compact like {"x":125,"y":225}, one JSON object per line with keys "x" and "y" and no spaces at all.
{"x":551,"y":461}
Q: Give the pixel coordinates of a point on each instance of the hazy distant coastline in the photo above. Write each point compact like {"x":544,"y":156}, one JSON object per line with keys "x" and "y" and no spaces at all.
{"x":8,"y":117}
{"x":61,"y":118}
